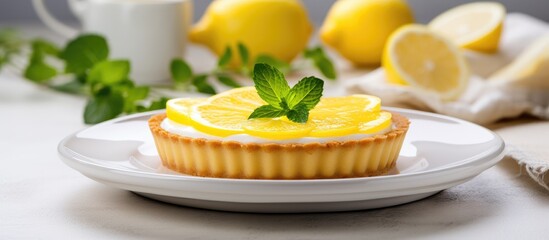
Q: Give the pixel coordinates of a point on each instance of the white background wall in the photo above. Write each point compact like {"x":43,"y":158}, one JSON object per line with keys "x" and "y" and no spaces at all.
{"x":21,"y":10}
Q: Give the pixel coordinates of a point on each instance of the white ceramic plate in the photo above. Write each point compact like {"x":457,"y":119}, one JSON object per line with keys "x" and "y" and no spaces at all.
{"x":439,"y":152}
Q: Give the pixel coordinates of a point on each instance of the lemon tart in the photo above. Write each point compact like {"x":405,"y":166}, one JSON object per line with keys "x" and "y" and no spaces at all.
{"x":213,"y":137}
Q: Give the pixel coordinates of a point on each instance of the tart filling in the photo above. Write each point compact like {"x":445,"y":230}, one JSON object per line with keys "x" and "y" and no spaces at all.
{"x":189,"y":131}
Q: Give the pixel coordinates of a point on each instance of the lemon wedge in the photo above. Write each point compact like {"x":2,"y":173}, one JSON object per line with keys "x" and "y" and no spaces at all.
{"x":475,"y":26}
{"x":418,"y":57}
{"x":531,"y":67}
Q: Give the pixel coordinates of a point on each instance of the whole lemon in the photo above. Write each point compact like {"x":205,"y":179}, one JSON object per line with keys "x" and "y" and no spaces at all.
{"x":279,"y":28}
{"x":358,"y":29}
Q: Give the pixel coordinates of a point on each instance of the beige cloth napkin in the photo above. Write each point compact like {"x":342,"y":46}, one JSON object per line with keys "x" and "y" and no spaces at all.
{"x":490,"y":95}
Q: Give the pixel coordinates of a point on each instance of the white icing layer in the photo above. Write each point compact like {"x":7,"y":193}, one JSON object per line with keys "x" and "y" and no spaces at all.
{"x":188,"y":131}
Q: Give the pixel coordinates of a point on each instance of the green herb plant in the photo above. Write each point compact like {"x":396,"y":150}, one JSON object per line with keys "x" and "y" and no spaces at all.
{"x":86,"y":64}
{"x":294,"y":103}
{"x":84,"y":68}
{"x":10,"y":44}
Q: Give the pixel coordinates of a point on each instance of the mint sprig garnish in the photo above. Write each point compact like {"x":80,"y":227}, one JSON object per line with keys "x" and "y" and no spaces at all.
{"x":294,"y":103}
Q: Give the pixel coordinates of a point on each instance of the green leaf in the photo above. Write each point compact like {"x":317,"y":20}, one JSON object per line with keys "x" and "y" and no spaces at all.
{"x":326,"y":67}
{"x":44,"y":47}
{"x":300,"y":114}
{"x":109,"y":72}
{"x":225,"y":58}
{"x":227,"y":80}
{"x":10,"y":44}
{"x":244,"y":54}
{"x":72,"y":87}
{"x":270,"y":84}
{"x":321,"y":62}
{"x":181,"y":71}
{"x":202,"y":85}
{"x":38,"y":71}
{"x":158,"y":104}
{"x":267,"y":111}
{"x":306,"y":92}
{"x":132,"y":95}
{"x":270,"y":60}
{"x":83,"y":52}
{"x":107,"y":105}
{"x":154,"y":105}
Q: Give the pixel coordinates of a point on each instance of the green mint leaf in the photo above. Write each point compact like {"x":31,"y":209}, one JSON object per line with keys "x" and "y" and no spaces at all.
{"x":132,"y":95}
{"x":154,"y":105}
{"x":306,"y":92}
{"x":321,"y":61}
{"x":10,"y":44}
{"x":181,"y":71}
{"x":267,"y":111}
{"x":72,"y":87}
{"x":244,"y":54}
{"x":326,"y":67}
{"x":270,"y":84}
{"x":227,"y":80}
{"x":44,"y":47}
{"x":82,"y":53}
{"x":278,"y":64}
{"x":225,"y":57}
{"x":158,"y":104}
{"x":299,"y":114}
{"x":109,"y":72}
{"x":38,"y":71}
{"x":104,"y":106}
{"x":202,"y":85}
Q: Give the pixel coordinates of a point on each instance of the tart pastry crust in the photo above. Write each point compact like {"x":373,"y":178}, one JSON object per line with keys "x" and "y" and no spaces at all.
{"x":369,"y":156}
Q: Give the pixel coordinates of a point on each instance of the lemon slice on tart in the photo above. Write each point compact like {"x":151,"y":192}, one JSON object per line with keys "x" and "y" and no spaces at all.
{"x":178,"y":109}
{"x":227,"y":114}
{"x":244,"y":97}
{"x":416,"y":56}
{"x":338,"y":116}
{"x":278,"y":128}
{"x":475,"y":26}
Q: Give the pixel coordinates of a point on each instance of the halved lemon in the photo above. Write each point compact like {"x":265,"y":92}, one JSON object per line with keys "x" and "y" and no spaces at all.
{"x":178,"y":109}
{"x":475,"y":26}
{"x":416,"y":56}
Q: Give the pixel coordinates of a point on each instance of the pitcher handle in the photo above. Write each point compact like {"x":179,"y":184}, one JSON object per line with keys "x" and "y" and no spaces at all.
{"x":51,"y":21}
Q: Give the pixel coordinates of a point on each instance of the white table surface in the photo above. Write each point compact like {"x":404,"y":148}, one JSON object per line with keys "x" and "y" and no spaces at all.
{"x":41,"y":198}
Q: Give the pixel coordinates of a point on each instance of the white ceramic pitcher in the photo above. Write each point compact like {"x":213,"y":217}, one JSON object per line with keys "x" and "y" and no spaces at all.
{"x":150,"y":33}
